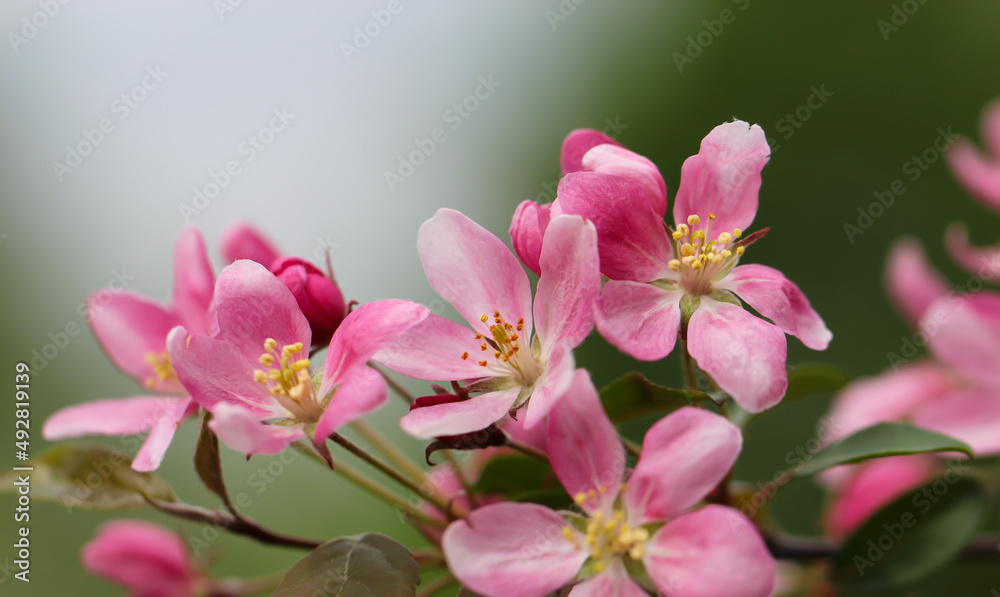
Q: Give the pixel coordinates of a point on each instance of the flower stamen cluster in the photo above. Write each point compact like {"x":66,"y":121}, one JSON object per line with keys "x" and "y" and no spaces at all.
{"x":287,"y":378}
{"x":702,"y":260}
{"x":164,"y":370}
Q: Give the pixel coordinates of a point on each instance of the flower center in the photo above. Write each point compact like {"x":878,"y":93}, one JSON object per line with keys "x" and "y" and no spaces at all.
{"x":702,"y":259}
{"x":286,"y":376}
{"x":502,"y":349}
{"x":608,"y":537}
{"x":164,"y":370}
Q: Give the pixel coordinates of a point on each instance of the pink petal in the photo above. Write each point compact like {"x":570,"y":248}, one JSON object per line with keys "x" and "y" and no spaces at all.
{"x":150,"y":455}
{"x":979,"y":173}
{"x":533,"y":438}
{"x":526,"y":231}
{"x":614,"y":581}
{"x":984,"y":262}
{"x":216,"y":372}
{"x":724,"y":177}
{"x":577,"y":144}
{"x":618,"y":161}
{"x":583,"y":445}
{"x":744,"y":354}
{"x":512,"y":549}
{"x":873,"y":485}
{"x":253,"y":305}
{"x":243,"y":431}
{"x":911,"y":281}
{"x":474,"y":270}
{"x":965,"y":333}
{"x":708,"y":553}
{"x":456,"y":418}
{"x":361,"y":392}
{"x":632,"y":240}
{"x":141,"y":556}
{"x":972,"y":416}
{"x":569,"y":285}
{"x":684,"y":456}
{"x":640,"y":319}
{"x":243,"y":241}
{"x":774,"y":296}
{"x":123,"y":416}
{"x":433,"y":349}
{"x":129,"y":327}
{"x":551,"y":387}
{"x":194,"y":281}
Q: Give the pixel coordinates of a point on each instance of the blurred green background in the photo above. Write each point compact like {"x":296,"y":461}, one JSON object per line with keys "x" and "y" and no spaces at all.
{"x":606,"y":65}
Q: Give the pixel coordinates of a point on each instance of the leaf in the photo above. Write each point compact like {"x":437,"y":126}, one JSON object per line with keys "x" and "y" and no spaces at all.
{"x":912,"y":537}
{"x":633,"y":396}
{"x":369,"y":565}
{"x":90,"y":477}
{"x":206,"y":460}
{"x":522,"y":479}
{"x":879,"y":441}
{"x":813,"y":378}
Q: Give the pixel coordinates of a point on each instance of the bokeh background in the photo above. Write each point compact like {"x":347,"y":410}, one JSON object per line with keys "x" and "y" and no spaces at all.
{"x":642,"y":71}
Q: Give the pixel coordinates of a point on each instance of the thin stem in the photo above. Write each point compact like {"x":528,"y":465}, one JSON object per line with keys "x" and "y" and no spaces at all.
{"x":395,"y":385}
{"x":435,"y":586}
{"x":396,"y":456}
{"x":527,"y":450}
{"x":687,"y":366}
{"x":632,"y":447}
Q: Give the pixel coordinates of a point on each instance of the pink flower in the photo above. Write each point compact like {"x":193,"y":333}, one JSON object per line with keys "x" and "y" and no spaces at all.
{"x":145,"y":558}
{"x":133,"y":330}
{"x":243,"y":241}
{"x":509,"y":368}
{"x":585,"y":150}
{"x":686,"y":280}
{"x":979,"y":172}
{"x":529,"y":550}
{"x":254,"y":376}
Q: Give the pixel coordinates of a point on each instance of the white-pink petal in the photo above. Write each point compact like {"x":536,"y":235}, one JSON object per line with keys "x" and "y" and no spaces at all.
{"x":527,"y":228}
{"x":964,"y":332}
{"x":243,"y":431}
{"x":550,"y":387}
{"x":972,"y":416}
{"x":116,"y":416}
{"x":639,"y":319}
{"x":912,"y":283}
{"x":243,"y":241}
{"x":151,"y":454}
{"x":456,"y":418}
{"x":194,"y":281}
{"x":981,"y":262}
{"x":433,"y":349}
{"x":141,"y":556}
{"x":613,"y":581}
{"x":618,"y":161}
{"x":361,"y":392}
{"x":577,"y":144}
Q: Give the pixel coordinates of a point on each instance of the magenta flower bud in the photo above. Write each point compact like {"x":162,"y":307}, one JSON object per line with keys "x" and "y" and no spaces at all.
{"x":318,"y":296}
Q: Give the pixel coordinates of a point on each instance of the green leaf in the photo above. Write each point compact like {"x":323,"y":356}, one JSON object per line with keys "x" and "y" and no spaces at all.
{"x":206,"y":460}
{"x":369,"y":565}
{"x":633,"y":396}
{"x":522,"y":479}
{"x":912,"y":537}
{"x":90,"y":477}
{"x":880,"y":441}
{"x":813,"y":378}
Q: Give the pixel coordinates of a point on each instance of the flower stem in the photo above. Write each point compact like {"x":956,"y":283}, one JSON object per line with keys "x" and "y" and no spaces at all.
{"x":528,"y":450}
{"x":688,"y":367}
{"x":396,"y":456}
{"x":395,"y":385}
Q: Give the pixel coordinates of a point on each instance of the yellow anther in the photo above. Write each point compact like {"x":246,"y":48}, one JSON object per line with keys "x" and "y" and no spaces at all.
{"x":724,"y":238}
{"x":274,"y":374}
{"x":266,"y":360}
{"x":674,"y":265}
{"x":711,"y":216}
{"x":637,"y":552}
{"x":688,"y":249}
{"x":740,"y":250}
{"x":727,"y":253}
{"x":737,"y":232}
{"x":699,"y":234}
{"x":260,"y":377}
{"x":683,"y":229}
{"x":482,"y":363}
{"x":270,"y":345}
{"x":568,"y":533}
{"x":676,"y":235}
{"x":301,"y":365}
{"x":465,"y":355}
{"x":696,"y":264}
{"x":484,"y":318}
{"x":694,"y":219}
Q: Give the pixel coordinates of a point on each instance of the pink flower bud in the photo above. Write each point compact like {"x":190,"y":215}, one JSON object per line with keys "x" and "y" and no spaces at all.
{"x":318,"y":296}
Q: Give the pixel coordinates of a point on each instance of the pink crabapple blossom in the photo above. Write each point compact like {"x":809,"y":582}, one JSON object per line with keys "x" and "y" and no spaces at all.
{"x":513,"y":370}
{"x":133,"y":331}
{"x":638,"y":519}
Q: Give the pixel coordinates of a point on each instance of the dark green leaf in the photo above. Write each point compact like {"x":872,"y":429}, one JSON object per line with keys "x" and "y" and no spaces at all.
{"x":879,"y":441}
{"x":90,"y":477}
{"x":633,"y":396}
{"x":206,"y":460}
{"x":811,"y":379}
{"x":912,"y":537}
{"x":522,"y":479}
{"x":368,"y":565}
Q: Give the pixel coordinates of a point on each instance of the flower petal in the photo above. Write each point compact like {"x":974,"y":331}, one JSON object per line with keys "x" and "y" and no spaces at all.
{"x":577,"y":144}
{"x":456,"y":418}
{"x":743,"y":353}
{"x":774,"y":296}
{"x":972,"y":416}
{"x":194,"y":281}
{"x":243,"y":431}
{"x":911,"y":281}
{"x":612,"y":159}
{"x":614,"y":581}
{"x":527,"y":229}
{"x":583,"y":445}
{"x":141,"y":556}
{"x":724,"y":177}
{"x":243,"y":241}
{"x":129,"y":327}
{"x":977,"y":171}
{"x":121,"y":416}
{"x":432,"y":350}
{"x":981,"y":262}
{"x":640,"y":319}
{"x":551,"y":387}
{"x":967,"y":334}
{"x":473,"y":270}
{"x":569,"y":285}
{"x":684,"y":456}
{"x":714,"y":551}
{"x":632,"y":241}
{"x":253,"y":305}
{"x":150,"y":455}
{"x":361,"y":392}
{"x":512,"y":549}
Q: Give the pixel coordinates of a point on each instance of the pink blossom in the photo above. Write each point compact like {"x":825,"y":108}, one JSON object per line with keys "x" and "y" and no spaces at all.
{"x":979,"y":172}
{"x":243,"y":241}
{"x":508,"y":368}
{"x":665,"y":282}
{"x":254,"y":375}
{"x":145,"y":558}
{"x":133,"y":330}
{"x":529,"y":550}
